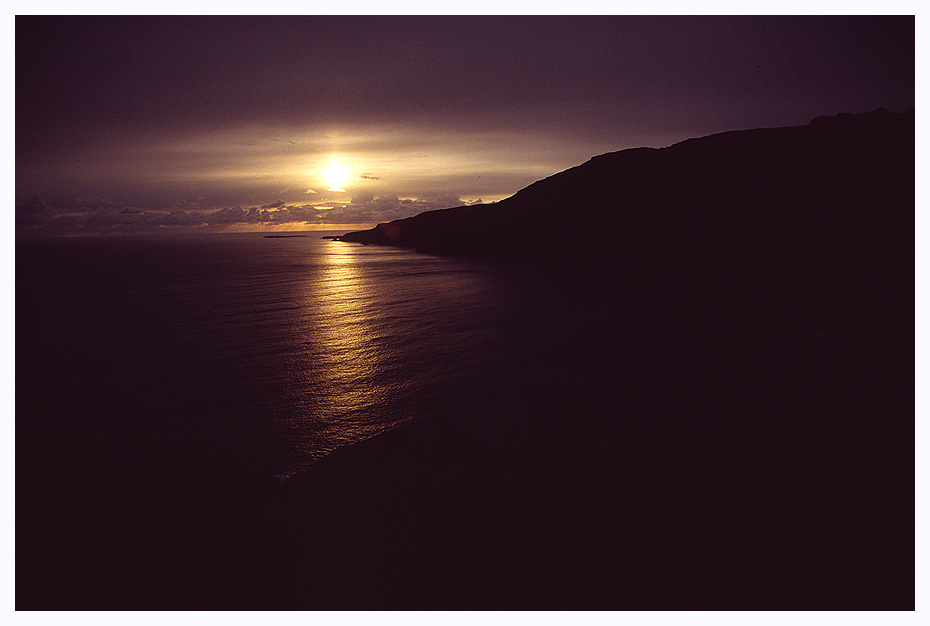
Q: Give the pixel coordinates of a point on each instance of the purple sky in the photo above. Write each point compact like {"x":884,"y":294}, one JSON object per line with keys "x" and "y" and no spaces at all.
{"x":135,"y":123}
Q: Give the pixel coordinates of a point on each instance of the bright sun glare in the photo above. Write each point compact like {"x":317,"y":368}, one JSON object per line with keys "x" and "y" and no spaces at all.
{"x":336,"y":176}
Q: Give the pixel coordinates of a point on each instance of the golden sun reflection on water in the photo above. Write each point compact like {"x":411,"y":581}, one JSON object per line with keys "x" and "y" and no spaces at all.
{"x":348,"y":371}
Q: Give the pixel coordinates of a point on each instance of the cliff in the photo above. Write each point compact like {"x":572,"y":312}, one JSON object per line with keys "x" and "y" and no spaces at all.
{"x":794,"y":194}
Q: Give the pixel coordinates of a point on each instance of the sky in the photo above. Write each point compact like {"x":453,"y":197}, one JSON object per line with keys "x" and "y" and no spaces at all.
{"x":160,"y":124}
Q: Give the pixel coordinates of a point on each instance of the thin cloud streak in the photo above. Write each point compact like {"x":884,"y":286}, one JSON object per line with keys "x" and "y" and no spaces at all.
{"x":239,"y":164}
{"x":96,"y":216}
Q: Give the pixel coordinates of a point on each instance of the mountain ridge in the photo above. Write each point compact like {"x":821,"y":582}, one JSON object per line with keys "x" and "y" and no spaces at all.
{"x":720,"y":178}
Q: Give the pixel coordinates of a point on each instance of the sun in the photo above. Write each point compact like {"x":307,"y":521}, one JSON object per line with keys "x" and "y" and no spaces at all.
{"x":336,"y":176}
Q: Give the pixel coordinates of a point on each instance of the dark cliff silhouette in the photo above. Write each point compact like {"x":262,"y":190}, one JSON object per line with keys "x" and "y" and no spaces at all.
{"x":805,"y":190}
{"x":731,"y":422}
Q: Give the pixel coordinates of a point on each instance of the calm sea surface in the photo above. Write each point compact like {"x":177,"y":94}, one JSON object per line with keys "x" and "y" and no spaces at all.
{"x":264,"y":352}
{"x":164,"y":384}
{"x":570,"y":424}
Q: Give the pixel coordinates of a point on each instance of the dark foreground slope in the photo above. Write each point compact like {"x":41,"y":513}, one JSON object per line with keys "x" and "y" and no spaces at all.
{"x":731,"y":425}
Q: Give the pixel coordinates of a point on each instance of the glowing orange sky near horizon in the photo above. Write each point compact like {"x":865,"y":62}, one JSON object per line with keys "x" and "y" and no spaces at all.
{"x":305,"y":179}
{"x":137,"y":122}
{"x":254,"y":166}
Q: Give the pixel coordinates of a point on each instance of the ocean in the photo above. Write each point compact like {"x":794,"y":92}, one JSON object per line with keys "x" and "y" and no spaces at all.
{"x":228,"y":421}
{"x":271,"y":351}
{"x":166,"y":385}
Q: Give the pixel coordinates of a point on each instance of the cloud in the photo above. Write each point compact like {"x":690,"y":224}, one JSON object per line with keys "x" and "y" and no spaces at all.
{"x":445,"y":202}
{"x":98,"y":215}
{"x":226,"y":216}
{"x":368,"y":208}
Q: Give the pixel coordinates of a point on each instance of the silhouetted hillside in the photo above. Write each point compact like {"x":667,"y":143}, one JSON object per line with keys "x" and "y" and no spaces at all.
{"x":780,"y":193}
